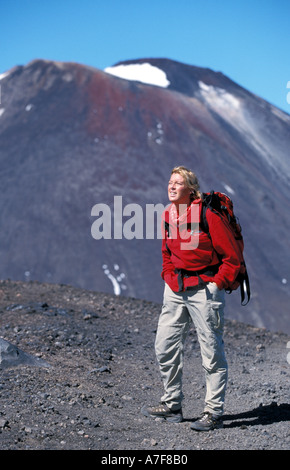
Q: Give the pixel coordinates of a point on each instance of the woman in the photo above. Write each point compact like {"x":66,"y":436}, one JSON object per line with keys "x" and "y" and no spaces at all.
{"x":197,"y":268}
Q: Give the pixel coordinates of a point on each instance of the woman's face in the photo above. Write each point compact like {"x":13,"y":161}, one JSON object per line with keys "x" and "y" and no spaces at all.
{"x":178,"y":192}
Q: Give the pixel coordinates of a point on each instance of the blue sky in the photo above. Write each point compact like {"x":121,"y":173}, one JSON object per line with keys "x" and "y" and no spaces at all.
{"x":246,"y":40}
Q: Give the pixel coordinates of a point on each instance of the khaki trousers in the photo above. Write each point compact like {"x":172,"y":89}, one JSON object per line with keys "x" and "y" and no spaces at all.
{"x":205,"y":308}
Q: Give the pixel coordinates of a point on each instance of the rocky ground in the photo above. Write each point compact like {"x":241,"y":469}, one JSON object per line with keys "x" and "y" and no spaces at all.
{"x":99,"y":370}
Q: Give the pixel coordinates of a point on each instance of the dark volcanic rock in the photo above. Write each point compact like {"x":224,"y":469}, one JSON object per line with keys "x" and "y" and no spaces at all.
{"x":11,"y":356}
{"x":72,"y":137}
{"x":103,"y":370}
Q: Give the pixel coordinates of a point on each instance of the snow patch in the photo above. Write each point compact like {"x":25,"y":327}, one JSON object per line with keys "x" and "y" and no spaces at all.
{"x":2,"y":111}
{"x":67,"y":77}
{"x":3,"y":75}
{"x":28,"y":107}
{"x":116,"y":280}
{"x":218,"y":97}
{"x":145,"y":73}
{"x":228,"y":188}
{"x":156,"y":134}
{"x":235,"y":112}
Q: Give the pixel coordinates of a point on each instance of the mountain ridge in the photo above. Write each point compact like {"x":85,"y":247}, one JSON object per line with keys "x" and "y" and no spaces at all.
{"x":73,"y":136}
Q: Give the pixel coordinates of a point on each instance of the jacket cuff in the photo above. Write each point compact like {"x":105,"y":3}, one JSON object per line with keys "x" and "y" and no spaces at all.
{"x":219,"y":283}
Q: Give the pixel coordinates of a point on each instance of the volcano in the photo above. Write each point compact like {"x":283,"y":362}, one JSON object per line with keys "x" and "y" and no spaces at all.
{"x":75,"y":140}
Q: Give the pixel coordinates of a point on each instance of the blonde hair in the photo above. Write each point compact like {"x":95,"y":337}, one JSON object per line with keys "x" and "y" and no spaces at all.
{"x":190,"y":179}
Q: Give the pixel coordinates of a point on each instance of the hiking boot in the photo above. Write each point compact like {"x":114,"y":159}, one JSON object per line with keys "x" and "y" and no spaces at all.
{"x":163,"y":412}
{"x":207,"y":422}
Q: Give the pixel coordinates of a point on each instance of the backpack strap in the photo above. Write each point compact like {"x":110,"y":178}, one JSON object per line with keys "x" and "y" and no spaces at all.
{"x":211,"y":202}
{"x":245,"y":288}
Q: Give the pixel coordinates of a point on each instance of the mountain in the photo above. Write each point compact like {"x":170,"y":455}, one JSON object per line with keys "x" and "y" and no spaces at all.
{"x":82,"y":150}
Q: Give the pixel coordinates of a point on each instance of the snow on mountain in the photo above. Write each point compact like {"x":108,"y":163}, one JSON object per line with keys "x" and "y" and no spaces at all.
{"x":236,"y":111}
{"x":219,"y":97}
{"x":116,"y":280}
{"x":4,"y":75}
{"x":145,"y":73}
{"x":73,"y":136}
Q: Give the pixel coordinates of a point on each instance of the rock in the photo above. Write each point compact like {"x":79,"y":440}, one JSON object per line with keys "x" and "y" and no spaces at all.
{"x":127,"y":397}
{"x":11,"y":356}
{"x":149,"y":442}
{"x":3,"y":423}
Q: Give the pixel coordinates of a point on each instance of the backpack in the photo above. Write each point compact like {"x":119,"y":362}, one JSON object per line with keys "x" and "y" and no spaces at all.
{"x":222,"y":204}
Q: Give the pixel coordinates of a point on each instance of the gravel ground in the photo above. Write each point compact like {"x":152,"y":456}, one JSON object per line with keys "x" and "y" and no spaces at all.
{"x":101,"y":369}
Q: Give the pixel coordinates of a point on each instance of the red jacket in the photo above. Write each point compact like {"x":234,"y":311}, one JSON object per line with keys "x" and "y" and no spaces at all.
{"x":191,"y":256}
